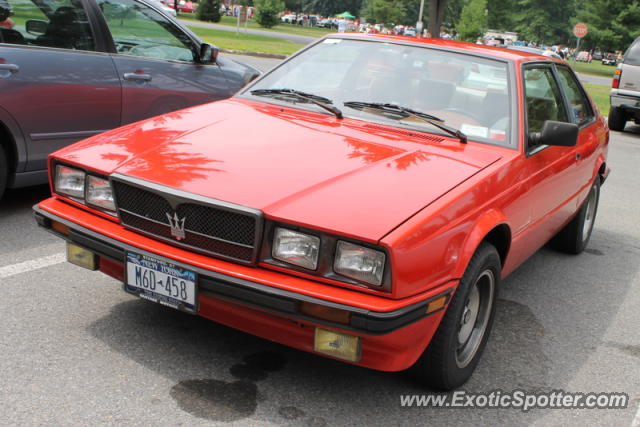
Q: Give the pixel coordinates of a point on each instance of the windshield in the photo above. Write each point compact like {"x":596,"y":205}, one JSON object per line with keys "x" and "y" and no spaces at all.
{"x":467,"y":92}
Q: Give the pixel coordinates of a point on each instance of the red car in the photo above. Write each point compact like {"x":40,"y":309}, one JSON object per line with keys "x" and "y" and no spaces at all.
{"x":362,"y":201}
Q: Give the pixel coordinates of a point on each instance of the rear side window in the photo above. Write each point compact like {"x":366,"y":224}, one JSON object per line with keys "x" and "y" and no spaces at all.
{"x":580,"y":108}
{"x":632,"y":55}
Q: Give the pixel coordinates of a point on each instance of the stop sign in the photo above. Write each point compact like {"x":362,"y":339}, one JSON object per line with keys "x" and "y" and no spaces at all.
{"x":580,"y":30}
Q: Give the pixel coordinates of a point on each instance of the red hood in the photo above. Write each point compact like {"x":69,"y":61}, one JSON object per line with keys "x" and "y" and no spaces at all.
{"x":344,"y":176}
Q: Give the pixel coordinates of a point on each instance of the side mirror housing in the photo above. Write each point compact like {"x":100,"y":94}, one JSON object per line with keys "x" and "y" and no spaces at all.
{"x":208,"y":54}
{"x":555,"y":133}
{"x":36,"y":27}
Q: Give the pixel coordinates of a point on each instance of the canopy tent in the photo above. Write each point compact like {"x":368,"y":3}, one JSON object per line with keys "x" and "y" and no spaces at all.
{"x":346,"y":15}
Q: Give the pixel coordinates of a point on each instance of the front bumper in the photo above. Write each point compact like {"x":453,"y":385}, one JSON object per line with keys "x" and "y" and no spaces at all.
{"x":393,"y":337}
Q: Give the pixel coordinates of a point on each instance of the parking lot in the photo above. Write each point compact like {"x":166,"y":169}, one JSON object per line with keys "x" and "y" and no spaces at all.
{"x":77,"y":350}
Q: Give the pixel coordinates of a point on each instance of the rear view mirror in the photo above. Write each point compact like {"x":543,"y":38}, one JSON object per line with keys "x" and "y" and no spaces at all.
{"x":208,"y":54}
{"x":555,"y":133}
{"x":36,"y":27}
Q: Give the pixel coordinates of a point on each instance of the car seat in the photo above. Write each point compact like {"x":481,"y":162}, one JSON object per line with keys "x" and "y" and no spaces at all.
{"x":66,"y":31}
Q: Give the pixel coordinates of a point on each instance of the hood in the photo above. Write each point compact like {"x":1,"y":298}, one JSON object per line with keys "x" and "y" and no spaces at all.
{"x":343,"y":176}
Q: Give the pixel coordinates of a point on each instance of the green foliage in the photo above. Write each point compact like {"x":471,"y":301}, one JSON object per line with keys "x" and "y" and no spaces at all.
{"x":267,"y":12}
{"x":384,"y":11}
{"x":332,"y":7}
{"x":613,"y":24}
{"x":208,"y":10}
{"x":473,"y":21}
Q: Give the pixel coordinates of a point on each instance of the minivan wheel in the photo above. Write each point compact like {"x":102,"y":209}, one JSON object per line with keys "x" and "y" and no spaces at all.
{"x":617,"y":119}
{"x":453,"y":353}
{"x":4,"y":171}
{"x":574,"y":237}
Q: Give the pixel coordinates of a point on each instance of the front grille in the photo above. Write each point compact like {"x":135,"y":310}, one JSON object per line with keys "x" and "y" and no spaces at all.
{"x":210,"y":227}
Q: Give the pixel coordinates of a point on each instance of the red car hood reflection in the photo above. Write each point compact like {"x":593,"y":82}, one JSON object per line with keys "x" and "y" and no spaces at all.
{"x":306,"y":168}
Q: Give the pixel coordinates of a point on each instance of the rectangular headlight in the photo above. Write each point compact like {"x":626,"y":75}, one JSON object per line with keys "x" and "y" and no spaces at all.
{"x":69,"y":182}
{"x":359,"y":263}
{"x":99,"y":193}
{"x":296,"y":248}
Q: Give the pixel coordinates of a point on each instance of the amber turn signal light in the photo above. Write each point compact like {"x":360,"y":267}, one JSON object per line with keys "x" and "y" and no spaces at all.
{"x":437,"y":304}
{"x":60,"y":228}
{"x":325,"y":313}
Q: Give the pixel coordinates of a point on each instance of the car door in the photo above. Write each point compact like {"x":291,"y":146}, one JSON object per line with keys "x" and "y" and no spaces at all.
{"x":591,"y":132}
{"x":54,"y":80}
{"x":156,"y":62}
{"x":554,"y":176}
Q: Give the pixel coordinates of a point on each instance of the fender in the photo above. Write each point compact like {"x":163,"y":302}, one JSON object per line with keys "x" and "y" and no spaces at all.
{"x":19,"y":143}
{"x":482,"y":227}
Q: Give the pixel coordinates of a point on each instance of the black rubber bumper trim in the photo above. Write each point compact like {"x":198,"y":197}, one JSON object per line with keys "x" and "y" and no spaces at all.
{"x":250,"y":293}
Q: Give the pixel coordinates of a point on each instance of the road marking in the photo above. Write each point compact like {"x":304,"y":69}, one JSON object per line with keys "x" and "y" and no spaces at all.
{"x":636,"y":420}
{"x":34,"y":264}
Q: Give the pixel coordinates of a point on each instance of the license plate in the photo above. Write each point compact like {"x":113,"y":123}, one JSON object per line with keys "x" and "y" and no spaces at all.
{"x":161,"y":281}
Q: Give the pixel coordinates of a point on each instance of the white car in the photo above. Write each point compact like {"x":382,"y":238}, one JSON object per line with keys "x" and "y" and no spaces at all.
{"x":166,"y":9}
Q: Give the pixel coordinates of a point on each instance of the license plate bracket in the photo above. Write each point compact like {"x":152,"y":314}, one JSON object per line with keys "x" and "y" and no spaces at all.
{"x":161,"y":281}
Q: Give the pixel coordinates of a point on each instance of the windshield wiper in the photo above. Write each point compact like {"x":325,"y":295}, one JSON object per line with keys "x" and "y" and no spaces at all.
{"x":320,"y":101}
{"x":397,"y":112}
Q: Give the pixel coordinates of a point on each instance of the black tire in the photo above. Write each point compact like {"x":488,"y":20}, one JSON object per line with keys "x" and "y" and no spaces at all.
{"x":574,"y":237}
{"x":617,"y":119}
{"x":4,"y":171}
{"x":447,"y":363}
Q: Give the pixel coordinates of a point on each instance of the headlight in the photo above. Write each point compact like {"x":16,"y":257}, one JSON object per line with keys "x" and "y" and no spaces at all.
{"x":99,"y":193}
{"x":69,"y":182}
{"x":359,"y":263}
{"x":296,"y":248}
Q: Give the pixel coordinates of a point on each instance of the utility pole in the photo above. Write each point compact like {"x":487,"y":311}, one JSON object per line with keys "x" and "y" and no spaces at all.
{"x":420,"y":24}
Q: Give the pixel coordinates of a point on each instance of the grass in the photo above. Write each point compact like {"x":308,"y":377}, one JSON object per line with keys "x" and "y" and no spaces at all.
{"x":600,"y":95}
{"x":246,"y":42}
{"x":298,"y":30}
{"x":595,"y":68}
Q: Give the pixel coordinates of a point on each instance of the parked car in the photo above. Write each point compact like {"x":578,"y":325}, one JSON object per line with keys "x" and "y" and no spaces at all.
{"x":187,"y":6}
{"x":289,"y":19}
{"x":359,"y":201}
{"x":166,"y":9}
{"x":610,"y":59}
{"x":536,"y":51}
{"x":625,"y":89}
{"x":583,"y":56}
{"x":69,"y":71}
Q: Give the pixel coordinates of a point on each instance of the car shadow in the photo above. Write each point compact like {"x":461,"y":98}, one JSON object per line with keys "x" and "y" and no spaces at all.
{"x":553,"y":304}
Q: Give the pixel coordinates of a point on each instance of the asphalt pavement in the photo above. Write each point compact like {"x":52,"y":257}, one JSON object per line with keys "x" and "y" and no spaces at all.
{"x":76,"y":350}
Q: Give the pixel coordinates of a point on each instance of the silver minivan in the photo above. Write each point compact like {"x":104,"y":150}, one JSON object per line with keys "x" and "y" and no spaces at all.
{"x":625,"y":92}
{"x":70,"y":69}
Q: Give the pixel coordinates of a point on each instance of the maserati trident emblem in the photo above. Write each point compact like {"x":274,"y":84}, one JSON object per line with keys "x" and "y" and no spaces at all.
{"x":177,"y":226}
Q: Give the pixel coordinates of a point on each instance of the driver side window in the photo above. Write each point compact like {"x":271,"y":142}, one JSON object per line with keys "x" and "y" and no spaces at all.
{"x":543,"y":99}
{"x":138,"y":30}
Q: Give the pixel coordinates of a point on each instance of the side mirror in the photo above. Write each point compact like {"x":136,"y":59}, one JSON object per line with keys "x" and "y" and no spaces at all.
{"x":208,"y":54}
{"x":555,"y":133}
{"x":36,"y":27}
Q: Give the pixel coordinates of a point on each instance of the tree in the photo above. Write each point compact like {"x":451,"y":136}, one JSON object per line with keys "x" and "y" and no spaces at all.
{"x":436,"y":16}
{"x":332,"y":7}
{"x":473,"y":20}
{"x":500,"y":15}
{"x":208,"y":10}
{"x":267,"y":12}
{"x":384,"y":11}
{"x":613,"y":24}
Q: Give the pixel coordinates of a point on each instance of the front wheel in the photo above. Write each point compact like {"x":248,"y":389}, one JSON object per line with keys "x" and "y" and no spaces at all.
{"x":452,"y":356}
{"x":574,"y":237}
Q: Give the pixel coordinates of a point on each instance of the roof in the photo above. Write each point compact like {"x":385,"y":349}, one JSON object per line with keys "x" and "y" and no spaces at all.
{"x":484,"y":50}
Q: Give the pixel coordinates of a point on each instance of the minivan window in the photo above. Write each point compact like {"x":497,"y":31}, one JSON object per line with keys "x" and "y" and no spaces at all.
{"x":632,"y":55}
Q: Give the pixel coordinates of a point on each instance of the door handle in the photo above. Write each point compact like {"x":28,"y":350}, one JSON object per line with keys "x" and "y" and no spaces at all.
{"x":9,"y":67}
{"x":7,"y":70}
{"x":141,"y":77}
